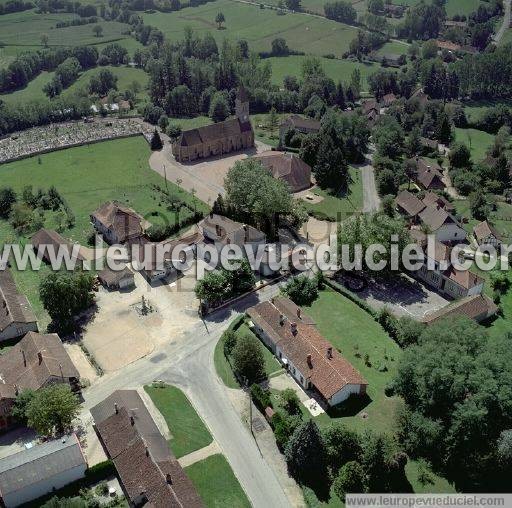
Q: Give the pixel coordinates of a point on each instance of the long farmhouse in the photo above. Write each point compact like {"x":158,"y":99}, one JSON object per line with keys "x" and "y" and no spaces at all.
{"x":219,"y":138}
{"x":314,"y":363}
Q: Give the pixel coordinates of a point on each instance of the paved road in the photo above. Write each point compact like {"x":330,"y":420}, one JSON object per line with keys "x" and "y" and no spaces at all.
{"x":190,"y":366}
{"x":371,"y":199}
{"x":506,"y":22}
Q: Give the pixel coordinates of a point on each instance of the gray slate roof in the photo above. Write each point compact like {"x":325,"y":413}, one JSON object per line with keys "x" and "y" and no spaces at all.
{"x":39,"y":463}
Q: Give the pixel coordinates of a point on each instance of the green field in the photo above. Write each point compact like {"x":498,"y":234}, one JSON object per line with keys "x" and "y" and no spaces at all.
{"x":477,"y":141}
{"x":34,"y":90}
{"x":21,"y":31}
{"x":188,"y":432}
{"x":81,"y":177}
{"x":339,"y":70}
{"x":216,"y":483}
{"x":331,"y":206}
{"x":258,"y":26}
{"x":452,"y":6}
{"x":393,"y":48}
{"x":474,"y":109}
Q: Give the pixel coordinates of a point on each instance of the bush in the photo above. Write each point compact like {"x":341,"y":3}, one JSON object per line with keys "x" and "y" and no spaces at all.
{"x":229,"y":338}
{"x":291,"y":402}
{"x":248,"y":360}
{"x":260,"y":397}
{"x":301,"y":290}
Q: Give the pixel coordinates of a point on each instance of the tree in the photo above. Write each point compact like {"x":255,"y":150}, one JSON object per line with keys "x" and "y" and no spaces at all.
{"x":102,"y":82}
{"x":302,"y":290}
{"x":480,"y":205}
{"x":248,"y":359}
{"x":156,"y":141}
{"x":44,"y":40}
{"x":444,"y":129}
{"x":240,"y":279}
{"x":255,"y":197}
{"x":7,"y":200}
{"x":219,"y":107}
{"x":230,"y":339}
{"x":97,"y":30}
{"x":212,"y":288}
{"x":305,"y":455}
{"x":350,"y":480}
{"x":459,"y":156}
{"x":219,"y":19}
{"x":52,"y":409}
{"x":64,"y":295}
{"x":413,"y":143}
{"x":341,"y":446}
{"x":280,"y":47}
{"x":293,"y":5}
{"x":291,"y":402}
{"x":19,"y":409}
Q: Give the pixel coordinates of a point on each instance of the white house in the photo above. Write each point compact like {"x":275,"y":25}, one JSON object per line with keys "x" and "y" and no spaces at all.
{"x":39,"y":470}
{"x":312,"y":361}
{"x":442,"y":224}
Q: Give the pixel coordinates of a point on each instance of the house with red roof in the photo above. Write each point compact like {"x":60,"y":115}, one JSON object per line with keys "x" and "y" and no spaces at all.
{"x":300,"y":347}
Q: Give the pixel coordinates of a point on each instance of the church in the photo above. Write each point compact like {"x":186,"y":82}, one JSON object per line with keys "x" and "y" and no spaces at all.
{"x":219,"y":138}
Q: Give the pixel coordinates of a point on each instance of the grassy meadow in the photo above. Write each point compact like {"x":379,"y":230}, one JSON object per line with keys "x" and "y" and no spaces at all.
{"x":312,"y":35}
{"x":339,"y":70}
{"x":477,"y":141}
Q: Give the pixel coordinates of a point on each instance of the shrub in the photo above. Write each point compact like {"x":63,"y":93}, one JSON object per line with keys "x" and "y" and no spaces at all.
{"x":260,"y":397}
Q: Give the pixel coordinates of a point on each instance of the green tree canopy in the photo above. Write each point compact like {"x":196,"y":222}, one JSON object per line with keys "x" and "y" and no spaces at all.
{"x":248,"y":359}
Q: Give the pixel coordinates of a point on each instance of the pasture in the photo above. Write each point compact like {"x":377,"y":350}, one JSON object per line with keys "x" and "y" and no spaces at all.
{"x":34,"y":90}
{"x":477,"y":141}
{"x":21,"y":31}
{"x":339,"y":70}
{"x":312,"y":35}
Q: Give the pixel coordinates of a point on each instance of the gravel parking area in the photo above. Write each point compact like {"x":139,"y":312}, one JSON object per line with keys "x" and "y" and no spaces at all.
{"x":403,"y":296}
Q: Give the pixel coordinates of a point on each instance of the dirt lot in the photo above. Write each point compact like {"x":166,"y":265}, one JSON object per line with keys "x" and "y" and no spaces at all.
{"x":118,"y":335}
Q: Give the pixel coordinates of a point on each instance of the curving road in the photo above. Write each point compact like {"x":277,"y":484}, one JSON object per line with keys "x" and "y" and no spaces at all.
{"x":190,"y":366}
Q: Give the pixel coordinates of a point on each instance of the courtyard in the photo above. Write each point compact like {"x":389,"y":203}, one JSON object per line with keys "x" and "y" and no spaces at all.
{"x":119,"y":334}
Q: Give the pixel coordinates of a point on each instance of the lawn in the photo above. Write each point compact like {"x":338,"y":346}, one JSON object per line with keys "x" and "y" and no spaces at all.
{"x":216,"y":483}
{"x":33,"y":90}
{"x":81,"y":178}
{"x":393,"y":48}
{"x":259,"y":27}
{"x":355,"y":334}
{"x":223,"y":368}
{"x":477,"y":141}
{"x":452,"y":6}
{"x":336,"y":208}
{"x":339,"y":70}
{"x":188,"y":432}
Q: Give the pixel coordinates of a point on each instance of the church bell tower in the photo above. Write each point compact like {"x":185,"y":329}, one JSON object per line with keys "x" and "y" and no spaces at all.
{"x":242,"y":105}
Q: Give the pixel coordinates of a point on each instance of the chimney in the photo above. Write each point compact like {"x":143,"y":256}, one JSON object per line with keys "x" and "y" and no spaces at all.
{"x":132,"y":420}
{"x":168,"y":478}
{"x":329,"y":352}
{"x":281,"y":319}
{"x":298,"y":312}
{"x":40,"y":357}
{"x":116,"y":408}
{"x":24,"y":358}
{"x":293,"y":327}
{"x":310,"y":362}
{"x":147,"y":451}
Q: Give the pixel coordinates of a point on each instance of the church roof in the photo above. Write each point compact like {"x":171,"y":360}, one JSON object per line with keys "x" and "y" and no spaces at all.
{"x":214,"y":132}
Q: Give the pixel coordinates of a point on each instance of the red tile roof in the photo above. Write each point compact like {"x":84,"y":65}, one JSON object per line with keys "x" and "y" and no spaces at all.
{"x":409,"y":203}
{"x":463,"y":278}
{"x":287,"y":167}
{"x":477,"y":307}
{"x":327,"y":375}
{"x":484,"y":229}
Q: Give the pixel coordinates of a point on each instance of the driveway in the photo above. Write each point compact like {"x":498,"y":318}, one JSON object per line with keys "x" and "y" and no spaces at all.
{"x":403,"y":296}
{"x":371,"y":199}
